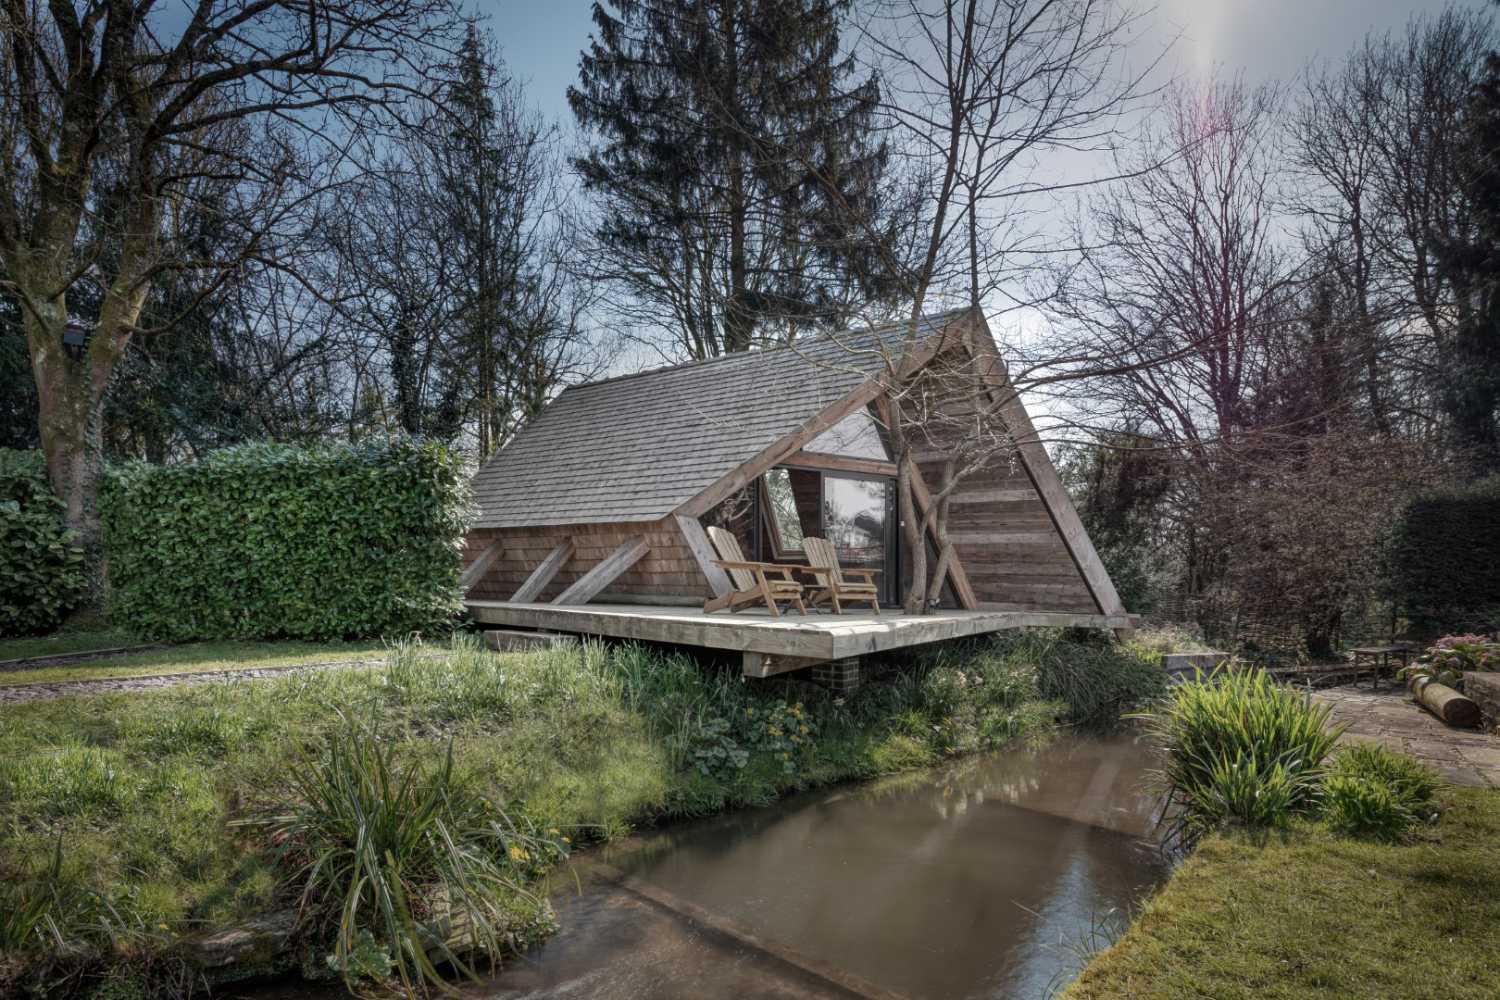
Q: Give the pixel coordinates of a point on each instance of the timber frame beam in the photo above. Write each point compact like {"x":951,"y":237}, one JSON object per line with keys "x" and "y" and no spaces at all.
{"x":957,"y":576}
{"x":704,"y":555}
{"x":544,"y":572}
{"x":475,"y":571}
{"x":586,"y":587}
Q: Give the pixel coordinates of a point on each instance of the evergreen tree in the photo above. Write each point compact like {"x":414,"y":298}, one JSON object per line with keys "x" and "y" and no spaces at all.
{"x":1472,"y":389}
{"x":736,"y":166}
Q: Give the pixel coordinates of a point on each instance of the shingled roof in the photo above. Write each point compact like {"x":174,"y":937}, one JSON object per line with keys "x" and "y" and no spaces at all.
{"x":636,"y":447}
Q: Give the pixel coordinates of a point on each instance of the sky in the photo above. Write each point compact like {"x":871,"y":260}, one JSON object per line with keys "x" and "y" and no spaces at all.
{"x":1263,"y":39}
{"x":1258,"y":40}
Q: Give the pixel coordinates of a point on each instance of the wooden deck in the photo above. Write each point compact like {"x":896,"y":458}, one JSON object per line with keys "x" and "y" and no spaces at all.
{"x":772,"y":645}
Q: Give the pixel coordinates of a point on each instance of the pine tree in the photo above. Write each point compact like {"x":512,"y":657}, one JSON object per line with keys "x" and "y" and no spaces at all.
{"x":739,"y":180}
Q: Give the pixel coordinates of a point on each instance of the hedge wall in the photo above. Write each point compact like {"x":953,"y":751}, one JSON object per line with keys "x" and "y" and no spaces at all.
{"x":41,"y":570}
{"x":277,"y":541}
{"x":1445,"y":559}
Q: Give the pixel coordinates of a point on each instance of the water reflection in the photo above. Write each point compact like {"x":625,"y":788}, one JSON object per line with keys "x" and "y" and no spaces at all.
{"x":975,"y":880}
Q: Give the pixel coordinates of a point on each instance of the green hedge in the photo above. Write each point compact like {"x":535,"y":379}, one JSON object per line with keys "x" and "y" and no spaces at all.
{"x":1445,"y":559}
{"x":41,"y":570}
{"x":271,"y":541}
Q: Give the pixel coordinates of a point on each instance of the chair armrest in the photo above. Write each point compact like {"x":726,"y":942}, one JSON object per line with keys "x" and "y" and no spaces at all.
{"x":868,"y":574}
{"x":756,"y":567}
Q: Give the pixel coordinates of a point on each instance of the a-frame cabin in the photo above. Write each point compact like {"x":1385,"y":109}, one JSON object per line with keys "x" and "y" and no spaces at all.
{"x":592,"y":519}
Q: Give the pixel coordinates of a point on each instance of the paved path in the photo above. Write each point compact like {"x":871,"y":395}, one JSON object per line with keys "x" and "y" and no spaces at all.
{"x":1390,"y":717}
{"x":14,"y":694}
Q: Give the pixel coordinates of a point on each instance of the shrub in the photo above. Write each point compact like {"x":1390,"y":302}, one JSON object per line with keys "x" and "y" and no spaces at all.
{"x":1098,"y":679}
{"x":41,"y":570}
{"x":267,"y":541}
{"x":1239,"y":748}
{"x":1371,"y":792}
{"x":396,"y":861}
{"x":1445,"y":558}
{"x":1446,"y":659}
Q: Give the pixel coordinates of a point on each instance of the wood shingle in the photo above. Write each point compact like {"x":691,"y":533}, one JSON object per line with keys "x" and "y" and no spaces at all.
{"x":637,"y":447}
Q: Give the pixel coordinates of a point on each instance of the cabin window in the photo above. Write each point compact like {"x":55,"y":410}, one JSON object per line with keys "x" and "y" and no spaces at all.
{"x":781,"y":511}
{"x":858,"y":435}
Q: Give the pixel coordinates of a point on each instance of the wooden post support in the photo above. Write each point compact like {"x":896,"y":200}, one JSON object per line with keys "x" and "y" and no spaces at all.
{"x":475,"y":571}
{"x":957,"y":576}
{"x":703,"y":552}
{"x":543,"y":574}
{"x":608,"y":570}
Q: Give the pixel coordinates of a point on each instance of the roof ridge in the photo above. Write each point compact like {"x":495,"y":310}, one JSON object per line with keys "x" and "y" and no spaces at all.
{"x":743,"y":355}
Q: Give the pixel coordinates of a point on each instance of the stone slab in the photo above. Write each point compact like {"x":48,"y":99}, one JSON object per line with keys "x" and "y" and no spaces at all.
{"x":1391,"y":718}
{"x":1179,"y":663}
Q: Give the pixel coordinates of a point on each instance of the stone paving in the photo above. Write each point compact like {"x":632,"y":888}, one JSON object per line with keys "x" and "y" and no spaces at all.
{"x":1390,"y":717}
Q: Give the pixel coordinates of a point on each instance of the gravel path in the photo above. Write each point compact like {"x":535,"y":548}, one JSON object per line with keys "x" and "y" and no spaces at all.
{"x":15,"y":694}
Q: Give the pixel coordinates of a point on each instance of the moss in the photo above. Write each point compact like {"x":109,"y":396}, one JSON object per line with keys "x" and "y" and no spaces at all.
{"x":1309,"y":915}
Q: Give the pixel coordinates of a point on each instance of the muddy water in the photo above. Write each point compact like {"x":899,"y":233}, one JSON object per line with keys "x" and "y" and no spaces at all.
{"x":977,"y":880}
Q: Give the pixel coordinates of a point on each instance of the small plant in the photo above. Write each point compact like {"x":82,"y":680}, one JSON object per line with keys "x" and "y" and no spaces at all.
{"x":714,"y":750}
{"x":28,"y":909}
{"x":1239,"y":748}
{"x":1446,"y":660}
{"x":399,"y":858}
{"x":1371,"y":792}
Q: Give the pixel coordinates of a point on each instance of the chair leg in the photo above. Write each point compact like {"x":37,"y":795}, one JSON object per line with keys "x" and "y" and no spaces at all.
{"x":875,"y":606}
{"x":833,"y":596}
{"x":765,"y":591}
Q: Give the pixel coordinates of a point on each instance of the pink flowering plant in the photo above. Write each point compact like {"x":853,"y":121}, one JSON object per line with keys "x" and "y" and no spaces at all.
{"x":1446,"y":660}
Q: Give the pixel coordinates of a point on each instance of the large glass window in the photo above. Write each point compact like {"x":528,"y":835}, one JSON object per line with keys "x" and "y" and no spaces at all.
{"x":858,"y":435}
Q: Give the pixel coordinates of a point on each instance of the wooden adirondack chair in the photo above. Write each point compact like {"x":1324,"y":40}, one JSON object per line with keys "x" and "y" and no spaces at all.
{"x":823,"y":564}
{"x":753,"y":581}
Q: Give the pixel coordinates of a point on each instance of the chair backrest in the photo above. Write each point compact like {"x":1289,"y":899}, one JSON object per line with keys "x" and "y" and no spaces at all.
{"x":729,"y":551}
{"x":821,"y":555}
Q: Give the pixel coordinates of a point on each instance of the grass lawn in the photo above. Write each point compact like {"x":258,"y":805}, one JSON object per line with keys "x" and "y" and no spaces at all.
{"x":62,"y":643}
{"x":1307,"y":915}
{"x":192,"y":658}
{"x":146,"y":794}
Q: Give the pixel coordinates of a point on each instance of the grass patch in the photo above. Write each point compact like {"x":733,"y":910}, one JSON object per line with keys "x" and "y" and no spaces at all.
{"x":159,"y":799}
{"x":1307,"y":914}
{"x":195,"y":658}
{"x":1371,"y":792}
{"x":64,"y":643}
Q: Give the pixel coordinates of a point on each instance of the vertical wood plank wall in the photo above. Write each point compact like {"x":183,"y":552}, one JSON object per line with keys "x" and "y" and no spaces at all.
{"x":667,"y":571}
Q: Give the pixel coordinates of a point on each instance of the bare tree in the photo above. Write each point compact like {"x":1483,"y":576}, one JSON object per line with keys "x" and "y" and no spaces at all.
{"x":114,"y":116}
{"x":1189,"y":284}
{"x":979,"y":95}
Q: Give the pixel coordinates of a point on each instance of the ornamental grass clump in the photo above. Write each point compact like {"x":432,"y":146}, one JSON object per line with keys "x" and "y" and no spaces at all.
{"x":400,"y":865}
{"x":1239,"y":749}
{"x":1371,"y":792}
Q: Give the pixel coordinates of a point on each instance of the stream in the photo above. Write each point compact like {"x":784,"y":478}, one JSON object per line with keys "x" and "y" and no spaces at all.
{"x":988,"y":877}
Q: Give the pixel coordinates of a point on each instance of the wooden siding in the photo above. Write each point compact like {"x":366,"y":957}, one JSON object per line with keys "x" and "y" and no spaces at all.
{"x":1012,"y":552}
{"x":668,"y":570}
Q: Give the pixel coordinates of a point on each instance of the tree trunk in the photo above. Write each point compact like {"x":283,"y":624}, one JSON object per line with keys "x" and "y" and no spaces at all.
{"x":70,"y":404}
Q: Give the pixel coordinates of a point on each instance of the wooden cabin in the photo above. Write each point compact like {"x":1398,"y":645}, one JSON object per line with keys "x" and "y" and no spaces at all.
{"x":592,"y":519}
